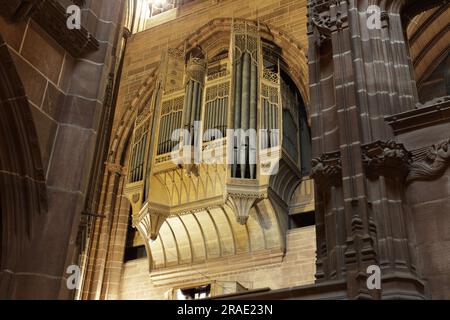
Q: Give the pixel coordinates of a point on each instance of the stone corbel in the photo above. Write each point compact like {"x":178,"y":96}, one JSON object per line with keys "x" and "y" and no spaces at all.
{"x":385,"y":159}
{"x":242,"y":202}
{"x":430,"y":162}
{"x":327,"y":170}
{"x":149,"y":223}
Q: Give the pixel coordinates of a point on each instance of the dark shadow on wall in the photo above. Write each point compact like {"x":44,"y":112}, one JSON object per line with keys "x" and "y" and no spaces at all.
{"x":23,"y":198}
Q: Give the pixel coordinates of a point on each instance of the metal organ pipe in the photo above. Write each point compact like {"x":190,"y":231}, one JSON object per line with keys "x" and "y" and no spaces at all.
{"x":253,"y":117}
{"x":266,"y":123}
{"x":141,"y":160}
{"x":223,"y":122}
{"x":139,"y":154}
{"x":166,"y":131}
{"x":275,"y":125}
{"x":169,"y":131}
{"x":188,"y":106}
{"x":179,"y":119}
{"x":245,"y":109}
{"x":237,"y":113}
{"x":210,"y":117}
{"x":133,"y":163}
{"x":206,"y":120}
{"x":163,"y":134}
{"x":173,"y":125}
{"x":199,"y":104}
{"x":271,"y":126}
{"x":213,"y":114}
{"x":217,"y":113}
{"x":263,"y":121}
{"x":193,"y":110}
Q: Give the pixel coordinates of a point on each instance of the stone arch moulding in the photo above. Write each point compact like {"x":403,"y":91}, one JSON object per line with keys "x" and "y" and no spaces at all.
{"x":23,"y":196}
{"x":292,"y":52}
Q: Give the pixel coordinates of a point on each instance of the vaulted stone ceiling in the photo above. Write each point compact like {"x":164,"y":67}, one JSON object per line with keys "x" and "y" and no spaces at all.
{"x":429,"y":37}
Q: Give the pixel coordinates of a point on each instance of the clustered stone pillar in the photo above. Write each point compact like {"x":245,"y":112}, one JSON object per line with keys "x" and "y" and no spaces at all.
{"x":360,"y":72}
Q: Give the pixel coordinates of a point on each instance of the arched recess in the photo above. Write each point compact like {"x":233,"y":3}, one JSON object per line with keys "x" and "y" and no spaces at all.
{"x":23,"y":196}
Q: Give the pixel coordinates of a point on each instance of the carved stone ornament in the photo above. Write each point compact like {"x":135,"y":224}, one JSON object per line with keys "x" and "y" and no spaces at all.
{"x":115,"y":168}
{"x":430,"y":162}
{"x":327,"y":170}
{"x":324,"y":21}
{"x":241,"y":204}
{"x":385,"y":159}
{"x":149,"y":223}
{"x":196,"y":69}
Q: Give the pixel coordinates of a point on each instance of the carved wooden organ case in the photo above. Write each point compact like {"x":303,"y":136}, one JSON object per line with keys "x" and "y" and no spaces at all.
{"x":188,"y":153}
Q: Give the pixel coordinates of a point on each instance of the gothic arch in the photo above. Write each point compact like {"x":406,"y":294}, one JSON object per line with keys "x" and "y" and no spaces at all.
{"x":23,"y":196}
{"x":292,"y":52}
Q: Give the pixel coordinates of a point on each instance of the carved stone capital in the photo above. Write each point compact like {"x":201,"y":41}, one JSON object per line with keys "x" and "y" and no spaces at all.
{"x":430,"y":162}
{"x":382,"y":158}
{"x":327,"y":170}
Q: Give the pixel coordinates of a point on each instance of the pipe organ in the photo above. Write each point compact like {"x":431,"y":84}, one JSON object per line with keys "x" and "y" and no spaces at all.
{"x":216,"y":107}
{"x":246,"y":62}
{"x":236,"y":107}
{"x":172,"y":111}
{"x":195,"y":74}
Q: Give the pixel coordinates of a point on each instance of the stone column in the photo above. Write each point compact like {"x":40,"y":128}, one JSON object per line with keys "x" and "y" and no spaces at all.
{"x":360,"y":72}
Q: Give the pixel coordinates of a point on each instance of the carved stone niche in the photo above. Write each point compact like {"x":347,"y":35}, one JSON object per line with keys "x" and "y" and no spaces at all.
{"x":389,"y":159}
{"x":327,"y":170}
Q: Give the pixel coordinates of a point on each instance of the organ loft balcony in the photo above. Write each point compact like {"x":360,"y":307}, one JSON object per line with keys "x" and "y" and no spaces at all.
{"x":225,"y":135}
